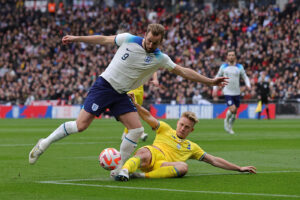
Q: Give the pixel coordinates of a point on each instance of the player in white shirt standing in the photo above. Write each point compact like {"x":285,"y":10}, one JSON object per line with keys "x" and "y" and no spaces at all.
{"x":133,"y":64}
{"x":233,"y":71}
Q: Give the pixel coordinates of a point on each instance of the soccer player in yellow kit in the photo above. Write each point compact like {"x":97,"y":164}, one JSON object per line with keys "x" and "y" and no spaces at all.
{"x":166,"y":157}
{"x":139,"y":98}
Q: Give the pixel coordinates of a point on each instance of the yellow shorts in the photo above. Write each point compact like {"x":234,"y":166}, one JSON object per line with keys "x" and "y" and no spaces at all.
{"x":138,"y":94}
{"x":158,"y":158}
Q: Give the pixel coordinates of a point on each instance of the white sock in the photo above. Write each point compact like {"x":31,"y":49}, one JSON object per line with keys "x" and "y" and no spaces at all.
{"x":231,"y":120}
{"x":123,"y":136}
{"x":228,"y":115}
{"x":62,"y":131}
{"x":129,"y":143}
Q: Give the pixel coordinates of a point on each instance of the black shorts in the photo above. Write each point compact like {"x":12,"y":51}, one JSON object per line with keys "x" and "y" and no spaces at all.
{"x":264,"y":100}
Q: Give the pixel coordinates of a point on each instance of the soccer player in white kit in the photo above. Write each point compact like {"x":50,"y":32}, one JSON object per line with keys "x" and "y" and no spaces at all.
{"x":133,"y":64}
{"x":233,"y":71}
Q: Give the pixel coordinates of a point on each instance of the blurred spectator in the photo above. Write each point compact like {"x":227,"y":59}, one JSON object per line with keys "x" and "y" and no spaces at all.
{"x":197,"y":99}
{"x":33,"y":59}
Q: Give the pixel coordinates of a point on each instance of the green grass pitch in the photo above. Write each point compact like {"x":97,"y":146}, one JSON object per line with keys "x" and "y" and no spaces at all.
{"x":69,"y":169}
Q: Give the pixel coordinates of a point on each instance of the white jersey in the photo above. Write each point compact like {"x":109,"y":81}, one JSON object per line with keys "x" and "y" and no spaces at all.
{"x":132,"y":66}
{"x":233,"y":72}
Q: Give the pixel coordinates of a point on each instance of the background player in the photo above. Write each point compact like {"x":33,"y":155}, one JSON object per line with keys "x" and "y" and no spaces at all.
{"x":133,"y":64}
{"x":233,"y":71}
{"x":166,"y":157}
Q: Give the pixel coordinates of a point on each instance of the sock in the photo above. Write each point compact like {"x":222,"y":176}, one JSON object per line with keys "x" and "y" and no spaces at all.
{"x":259,"y":114}
{"x":123,"y":136}
{"x":267,"y":110}
{"x":228,"y":115}
{"x":132,"y":164}
{"x":62,"y":131}
{"x":126,"y":131}
{"x":129,"y":143}
{"x":231,"y":120}
{"x":163,"y":172}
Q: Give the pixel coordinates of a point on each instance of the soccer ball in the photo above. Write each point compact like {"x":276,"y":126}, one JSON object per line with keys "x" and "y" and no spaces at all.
{"x":109,"y":158}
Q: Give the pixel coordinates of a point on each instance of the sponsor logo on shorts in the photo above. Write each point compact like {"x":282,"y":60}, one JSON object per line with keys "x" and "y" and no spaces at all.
{"x":95,"y":107}
{"x":229,"y":102}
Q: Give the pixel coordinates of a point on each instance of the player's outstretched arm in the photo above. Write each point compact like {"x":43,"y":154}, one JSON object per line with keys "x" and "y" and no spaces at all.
{"x":194,"y":76}
{"x":224,"y":164}
{"x":144,"y":113}
{"x":92,"y":39}
{"x":155,"y":81}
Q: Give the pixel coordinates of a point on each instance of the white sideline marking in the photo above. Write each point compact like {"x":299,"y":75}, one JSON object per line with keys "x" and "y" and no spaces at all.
{"x":67,"y":182}
{"x":61,"y":143}
{"x":171,"y":190}
{"x":210,"y":174}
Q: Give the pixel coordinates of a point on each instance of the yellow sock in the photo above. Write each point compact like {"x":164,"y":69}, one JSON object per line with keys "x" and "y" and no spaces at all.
{"x":163,"y":172}
{"x":132,"y":164}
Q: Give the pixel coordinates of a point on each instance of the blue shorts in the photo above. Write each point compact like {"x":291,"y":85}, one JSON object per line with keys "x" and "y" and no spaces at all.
{"x":102,"y":96}
{"x":233,"y":100}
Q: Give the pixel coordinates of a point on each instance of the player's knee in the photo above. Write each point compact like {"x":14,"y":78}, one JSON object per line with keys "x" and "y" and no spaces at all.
{"x":145,"y":155}
{"x":182,"y":168}
{"x":81,"y":126}
{"x":233,"y":110}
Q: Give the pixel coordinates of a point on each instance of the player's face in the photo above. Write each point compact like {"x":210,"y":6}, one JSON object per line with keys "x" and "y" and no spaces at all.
{"x":231,"y":56}
{"x":184,"y":127}
{"x":151,"y":42}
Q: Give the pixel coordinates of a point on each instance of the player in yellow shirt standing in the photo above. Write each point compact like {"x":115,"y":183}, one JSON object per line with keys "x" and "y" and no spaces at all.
{"x":166,"y":157}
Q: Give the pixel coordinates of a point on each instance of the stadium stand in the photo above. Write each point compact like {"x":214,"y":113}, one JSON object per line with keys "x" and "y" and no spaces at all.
{"x":34,"y":65}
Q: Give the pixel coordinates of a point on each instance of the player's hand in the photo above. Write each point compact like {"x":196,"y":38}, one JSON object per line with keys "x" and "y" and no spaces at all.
{"x":220,"y":81}
{"x":155,"y":83}
{"x":250,"y":169}
{"x":68,"y":39}
{"x":131,"y":95}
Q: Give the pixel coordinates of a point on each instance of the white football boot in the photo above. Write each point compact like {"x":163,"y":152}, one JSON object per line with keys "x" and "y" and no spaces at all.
{"x":123,"y":175}
{"x":228,"y":127}
{"x":144,"y":137}
{"x":35,"y":152}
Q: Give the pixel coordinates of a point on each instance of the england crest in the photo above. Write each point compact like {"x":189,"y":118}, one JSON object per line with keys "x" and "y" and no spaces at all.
{"x":95,"y":107}
{"x":148,"y":59}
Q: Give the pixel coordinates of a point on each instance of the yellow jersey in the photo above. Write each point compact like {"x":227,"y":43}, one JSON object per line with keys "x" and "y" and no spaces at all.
{"x":138,"y":94}
{"x":174,"y":148}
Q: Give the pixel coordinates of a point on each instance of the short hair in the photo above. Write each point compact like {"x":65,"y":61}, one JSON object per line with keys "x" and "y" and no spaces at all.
{"x":156,"y":29}
{"x":231,"y":50}
{"x":191,"y":116}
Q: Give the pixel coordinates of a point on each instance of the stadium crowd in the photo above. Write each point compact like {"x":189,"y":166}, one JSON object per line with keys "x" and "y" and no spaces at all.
{"x":34,"y":65}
